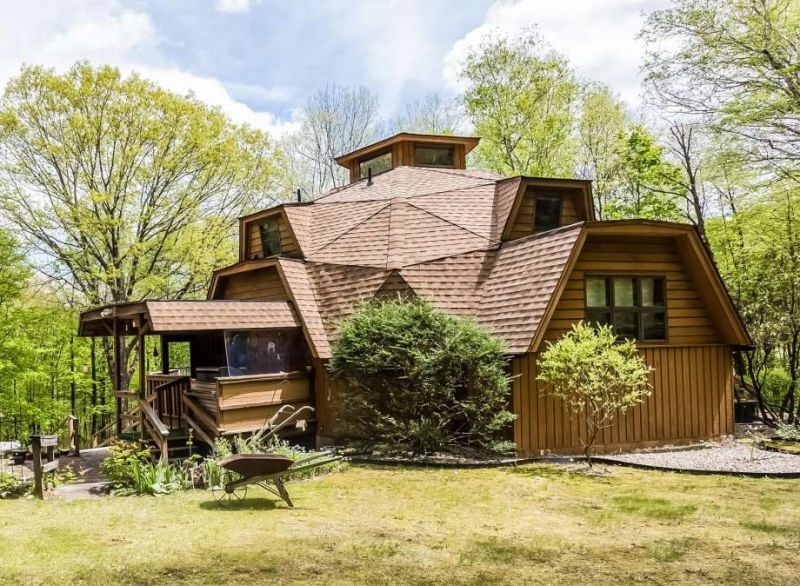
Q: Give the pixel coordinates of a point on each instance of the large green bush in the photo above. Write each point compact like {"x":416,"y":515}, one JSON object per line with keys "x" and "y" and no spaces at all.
{"x":421,"y":379}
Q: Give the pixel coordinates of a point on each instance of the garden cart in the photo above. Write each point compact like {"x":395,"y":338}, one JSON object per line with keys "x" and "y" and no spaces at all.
{"x":268,"y":470}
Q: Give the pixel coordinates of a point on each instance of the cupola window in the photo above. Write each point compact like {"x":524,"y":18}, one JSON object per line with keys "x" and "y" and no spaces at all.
{"x":378,"y":164}
{"x":434,"y":156}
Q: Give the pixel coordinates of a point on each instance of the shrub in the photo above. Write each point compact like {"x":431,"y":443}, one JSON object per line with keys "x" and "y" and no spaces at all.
{"x":595,"y":375}
{"x":12,"y":487}
{"x":421,"y":379}
{"x":130,"y":471}
{"x":788,"y":432}
{"x":118,"y":466}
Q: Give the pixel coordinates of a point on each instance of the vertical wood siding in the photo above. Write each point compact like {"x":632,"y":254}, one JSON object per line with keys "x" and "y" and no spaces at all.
{"x":688,"y":321}
{"x":327,"y":401}
{"x":692,"y":399}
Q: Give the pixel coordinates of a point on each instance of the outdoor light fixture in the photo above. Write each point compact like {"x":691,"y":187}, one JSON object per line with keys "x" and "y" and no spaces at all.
{"x":105,"y":313}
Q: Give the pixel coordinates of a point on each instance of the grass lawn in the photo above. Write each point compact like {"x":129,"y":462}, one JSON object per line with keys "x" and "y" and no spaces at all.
{"x":533,"y":524}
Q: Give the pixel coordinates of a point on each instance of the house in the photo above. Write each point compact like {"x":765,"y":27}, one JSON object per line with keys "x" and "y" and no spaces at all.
{"x":523,"y":256}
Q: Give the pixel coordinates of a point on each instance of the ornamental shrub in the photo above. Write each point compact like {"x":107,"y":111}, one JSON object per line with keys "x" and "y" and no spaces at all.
{"x":422,"y":380}
{"x":596,"y":376}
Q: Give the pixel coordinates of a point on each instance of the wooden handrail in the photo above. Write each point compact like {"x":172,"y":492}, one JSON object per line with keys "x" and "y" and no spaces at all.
{"x":153,"y":419}
{"x":199,"y":430}
{"x":126,"y":394}
{"x":201,"y":413}
{"x":170,"y":383}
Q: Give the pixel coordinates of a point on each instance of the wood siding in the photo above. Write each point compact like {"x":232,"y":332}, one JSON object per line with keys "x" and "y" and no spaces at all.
{"x":257,"y":285}
{"x":692,"y":399}
{"x":252,"y":242}
{"x":523,"y":222}
{"x":328,"y":396}
{"x":245,"y":403}
{"x":403,"y":154}
{"x":688,"y":321}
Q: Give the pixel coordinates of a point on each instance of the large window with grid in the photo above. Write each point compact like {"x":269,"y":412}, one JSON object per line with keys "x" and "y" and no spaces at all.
{"x":633,"y":306}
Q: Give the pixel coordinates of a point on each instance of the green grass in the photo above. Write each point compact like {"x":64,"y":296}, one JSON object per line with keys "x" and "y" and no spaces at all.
{"x":534,"y":525}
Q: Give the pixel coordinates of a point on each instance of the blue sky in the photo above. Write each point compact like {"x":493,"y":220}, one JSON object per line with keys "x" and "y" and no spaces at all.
{"x":258,"y":60}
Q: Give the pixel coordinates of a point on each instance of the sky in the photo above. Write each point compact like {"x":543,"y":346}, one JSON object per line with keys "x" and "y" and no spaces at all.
{"x":258,"y":60}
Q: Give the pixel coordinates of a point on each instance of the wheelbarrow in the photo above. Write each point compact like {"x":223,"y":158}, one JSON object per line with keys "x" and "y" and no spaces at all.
{"x":266,"y":469}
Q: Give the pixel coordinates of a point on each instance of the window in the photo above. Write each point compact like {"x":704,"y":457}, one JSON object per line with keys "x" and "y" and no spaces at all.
{"x":265,"y":351}
{"x":270,"y":239}
{"x":632,"y":306}
{"x":434,"y":156}
{"x":547,"y":212}
{"x":378,"y":164}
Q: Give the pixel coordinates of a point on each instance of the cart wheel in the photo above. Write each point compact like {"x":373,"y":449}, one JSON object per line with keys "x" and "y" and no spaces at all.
{"x":224,"y":494}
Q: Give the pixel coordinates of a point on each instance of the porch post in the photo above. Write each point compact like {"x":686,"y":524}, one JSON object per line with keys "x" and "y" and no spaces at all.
{"x":117,"y":374}
{"x":142,"y":369}
{"x":164,"y":354}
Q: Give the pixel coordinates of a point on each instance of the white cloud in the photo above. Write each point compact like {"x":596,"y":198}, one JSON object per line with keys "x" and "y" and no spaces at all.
{"x":60,"y":33}
{"x":233,"y":5}
{"x":599,"y":38}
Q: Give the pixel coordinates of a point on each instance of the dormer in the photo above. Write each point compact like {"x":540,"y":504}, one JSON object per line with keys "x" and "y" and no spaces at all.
{"x":413,"y":150}
{"x":266,"y":234}
{"x":544,"y":204}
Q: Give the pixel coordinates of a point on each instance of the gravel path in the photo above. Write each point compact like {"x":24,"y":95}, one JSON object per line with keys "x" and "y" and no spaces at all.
{"x":729,"y":458}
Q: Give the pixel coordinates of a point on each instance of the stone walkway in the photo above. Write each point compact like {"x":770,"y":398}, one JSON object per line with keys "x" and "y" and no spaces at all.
{"x":87,"y":467}
{"x":727,"y":458}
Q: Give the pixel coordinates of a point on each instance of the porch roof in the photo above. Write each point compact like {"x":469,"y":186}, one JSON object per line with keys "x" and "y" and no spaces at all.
{"x":169,"y":317}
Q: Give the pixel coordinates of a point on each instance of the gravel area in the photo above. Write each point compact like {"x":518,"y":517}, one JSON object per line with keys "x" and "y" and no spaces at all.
{"x":730,"y":458}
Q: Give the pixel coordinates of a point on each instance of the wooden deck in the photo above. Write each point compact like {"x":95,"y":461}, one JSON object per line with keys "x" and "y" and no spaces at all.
{"x":210,"y":409}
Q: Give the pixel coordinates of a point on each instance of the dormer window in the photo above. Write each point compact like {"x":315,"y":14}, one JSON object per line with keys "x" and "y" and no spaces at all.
{"x":378,"y":164}
{"x":270,"y":238}
{"x":547,"y":212}
{"x":434,"y":156}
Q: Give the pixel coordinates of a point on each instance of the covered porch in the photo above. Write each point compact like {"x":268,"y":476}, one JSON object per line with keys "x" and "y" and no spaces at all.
{"x":225,"y":366}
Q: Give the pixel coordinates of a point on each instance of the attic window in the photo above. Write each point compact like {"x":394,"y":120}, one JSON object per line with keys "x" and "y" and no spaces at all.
{"x":547,"y":213}
{"x":434,"y":156}
{"x":379,"y":164}
{"x":270,"y":238}
{"x":633,"y":306}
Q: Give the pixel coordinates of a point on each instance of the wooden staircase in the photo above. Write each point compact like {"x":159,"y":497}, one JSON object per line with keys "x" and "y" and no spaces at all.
{"x":165,"y":416}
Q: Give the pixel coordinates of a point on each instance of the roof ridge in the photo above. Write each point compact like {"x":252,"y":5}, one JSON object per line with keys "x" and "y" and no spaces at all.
{"x":450,"y":172}
{"x":486,"y":182}
{"x":430,"y":213}
{"x":453,"y":255}
{"x":537,"y":235}
{"x":354,"y":226}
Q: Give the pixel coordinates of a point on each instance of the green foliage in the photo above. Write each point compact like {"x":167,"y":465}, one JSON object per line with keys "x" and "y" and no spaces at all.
{"x":12,"y":487}
{"x":156,"y":478}
{"x":646,"y":180}
{"x":421,"y":379}
{"x":122,"y":464}
{"x":161,"y":179}
{"x":595,"y":375}
{"x":788,"y":432}
{"x":521,"y":98}
{"x":131,"y":471}
{"x":735,"y":64}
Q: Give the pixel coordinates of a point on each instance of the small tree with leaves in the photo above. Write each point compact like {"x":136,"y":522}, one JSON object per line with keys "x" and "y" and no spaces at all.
{"x":596,"y":376}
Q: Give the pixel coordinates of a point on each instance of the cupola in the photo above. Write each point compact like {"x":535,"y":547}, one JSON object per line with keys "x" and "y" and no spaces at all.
{"x":413,"y":150}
